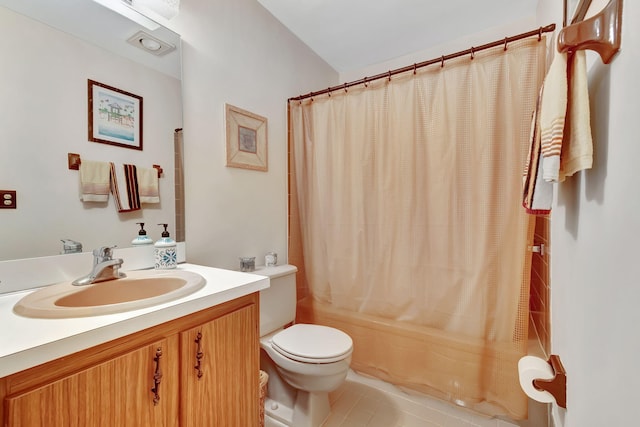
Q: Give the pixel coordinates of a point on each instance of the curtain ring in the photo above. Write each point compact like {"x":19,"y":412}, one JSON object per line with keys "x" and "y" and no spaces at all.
{"x":389,"y":75}
{"x":345,"y":88}
{"x":505,"y":44}
{"x":329,"y":91}
{"x":365,"y":82}
{"x":414,"y":68}
{"x":442,"y":62}
{"x":472,"y":52}
{"x":540,"y":34}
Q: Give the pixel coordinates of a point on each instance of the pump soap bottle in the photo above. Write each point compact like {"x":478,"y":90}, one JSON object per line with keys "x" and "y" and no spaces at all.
{"x":165,"y":251}
{"x":142,"y":238}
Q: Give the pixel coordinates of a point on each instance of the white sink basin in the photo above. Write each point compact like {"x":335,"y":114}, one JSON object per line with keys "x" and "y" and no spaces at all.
{"x":138,"y":290}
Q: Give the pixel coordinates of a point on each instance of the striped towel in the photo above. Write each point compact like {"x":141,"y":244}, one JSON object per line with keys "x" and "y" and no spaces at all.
{"x":124,"y":187}
{"x":553,"y":111}
{"x":94,"y":181}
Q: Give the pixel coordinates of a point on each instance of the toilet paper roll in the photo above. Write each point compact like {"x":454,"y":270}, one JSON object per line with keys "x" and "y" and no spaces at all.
{"x":531,"y":368}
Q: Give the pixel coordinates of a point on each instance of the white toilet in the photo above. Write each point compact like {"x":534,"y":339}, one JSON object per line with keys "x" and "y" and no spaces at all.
{"x":304,"y":362}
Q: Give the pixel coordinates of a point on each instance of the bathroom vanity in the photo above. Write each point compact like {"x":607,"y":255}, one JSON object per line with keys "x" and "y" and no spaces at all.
{"x":189,"y":362}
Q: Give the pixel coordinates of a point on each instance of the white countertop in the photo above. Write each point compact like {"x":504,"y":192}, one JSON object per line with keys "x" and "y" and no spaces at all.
{"x":27,"y":342}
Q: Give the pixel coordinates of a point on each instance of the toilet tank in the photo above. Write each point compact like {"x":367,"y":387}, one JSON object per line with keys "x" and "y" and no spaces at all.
{"x":278,"y":302}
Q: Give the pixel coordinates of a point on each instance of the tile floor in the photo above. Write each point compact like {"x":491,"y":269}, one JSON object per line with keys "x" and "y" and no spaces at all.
{"x":364,"y":401}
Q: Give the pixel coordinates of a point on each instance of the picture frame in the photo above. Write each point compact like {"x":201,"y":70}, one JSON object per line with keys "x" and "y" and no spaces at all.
{"x":246,"y":139}
{"x":114,"y":116}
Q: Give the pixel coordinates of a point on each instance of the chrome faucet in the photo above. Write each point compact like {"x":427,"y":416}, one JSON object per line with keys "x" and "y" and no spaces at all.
{"x":104,"y":268}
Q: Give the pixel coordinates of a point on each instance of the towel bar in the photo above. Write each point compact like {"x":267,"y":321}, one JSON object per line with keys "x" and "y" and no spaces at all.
{"x":601,"y":33}
{"x":73,"y":160}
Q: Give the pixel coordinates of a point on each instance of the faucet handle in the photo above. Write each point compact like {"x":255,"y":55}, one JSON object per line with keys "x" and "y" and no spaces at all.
{"x":103,"y":253}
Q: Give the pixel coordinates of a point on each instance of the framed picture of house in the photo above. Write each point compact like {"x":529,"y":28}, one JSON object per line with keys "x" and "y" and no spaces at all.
{"x":115,"y":116}
{"x":246,"y":139}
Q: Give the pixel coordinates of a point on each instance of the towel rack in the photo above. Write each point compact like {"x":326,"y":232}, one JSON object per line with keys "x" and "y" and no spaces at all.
{"x":601,"y":33}
{"x":74,"y":161}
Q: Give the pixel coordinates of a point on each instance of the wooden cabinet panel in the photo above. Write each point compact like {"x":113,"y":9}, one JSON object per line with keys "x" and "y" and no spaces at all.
{"x":111,"y":384}
{"x":113,"y":393}
{"x":219,"y":371}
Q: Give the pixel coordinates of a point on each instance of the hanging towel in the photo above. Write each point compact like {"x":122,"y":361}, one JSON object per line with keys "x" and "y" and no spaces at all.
{"x":124,"y":187}
{"x":577,"y":147}
{"x":148,"y":185}
{"x":94,"y":181}
{"x":537,"y":193}
{"x":553,"y":111}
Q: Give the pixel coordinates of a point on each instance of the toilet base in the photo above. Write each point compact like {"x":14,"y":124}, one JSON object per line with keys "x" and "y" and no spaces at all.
{"x":310,"y":410}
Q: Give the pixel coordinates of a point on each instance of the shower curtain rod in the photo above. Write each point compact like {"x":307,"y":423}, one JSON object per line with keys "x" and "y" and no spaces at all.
{"x":441,"y":60}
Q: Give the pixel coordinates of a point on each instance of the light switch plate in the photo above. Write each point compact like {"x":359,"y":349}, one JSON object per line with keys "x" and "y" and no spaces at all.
{"x":7,"y":199}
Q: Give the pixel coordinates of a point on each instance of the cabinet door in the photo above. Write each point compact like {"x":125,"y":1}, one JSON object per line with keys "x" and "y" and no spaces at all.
{"x":219,"y":371}
{"x":114,"y":393}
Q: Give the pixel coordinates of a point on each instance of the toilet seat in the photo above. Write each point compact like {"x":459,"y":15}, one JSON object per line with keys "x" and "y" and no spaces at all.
{"x":312,"y":343}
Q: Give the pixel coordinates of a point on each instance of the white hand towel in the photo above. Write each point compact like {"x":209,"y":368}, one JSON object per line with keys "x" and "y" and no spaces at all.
{"x":124,"y":187}
{"x":553,"y":111}
{"x":148,"y":185}
{"x":94,"y":181}
{"x":577,"y":148}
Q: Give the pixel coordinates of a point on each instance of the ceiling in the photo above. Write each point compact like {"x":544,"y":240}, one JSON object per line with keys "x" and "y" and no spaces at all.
{"x":90,"y":21}
{"x":352,"y":34}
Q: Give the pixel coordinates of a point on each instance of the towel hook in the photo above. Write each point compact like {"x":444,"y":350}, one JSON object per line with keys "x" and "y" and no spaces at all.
{"x":601,"y":33}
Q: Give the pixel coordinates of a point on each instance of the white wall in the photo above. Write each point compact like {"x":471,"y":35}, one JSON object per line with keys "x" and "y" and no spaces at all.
{"x":457,"y":45}
{"x":43,"y":116}
{"x":595,"y":223}
{"x":235,"y":52}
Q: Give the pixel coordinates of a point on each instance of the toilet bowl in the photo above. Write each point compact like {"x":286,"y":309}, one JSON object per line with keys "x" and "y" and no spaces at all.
{"x":304,"y":362}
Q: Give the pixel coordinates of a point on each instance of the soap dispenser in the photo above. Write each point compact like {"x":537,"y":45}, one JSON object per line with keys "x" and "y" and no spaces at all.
{"x":142,"y":238}
{"x":165,"y":252}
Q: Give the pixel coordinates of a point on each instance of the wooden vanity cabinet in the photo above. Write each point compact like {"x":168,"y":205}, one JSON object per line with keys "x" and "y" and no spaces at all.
{"x":219,"y":363}
{"x":198,"y":370}
{"x":112,"y":393}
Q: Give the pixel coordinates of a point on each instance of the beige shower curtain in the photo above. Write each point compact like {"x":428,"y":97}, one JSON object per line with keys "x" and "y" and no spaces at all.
{"x":407,"y":226}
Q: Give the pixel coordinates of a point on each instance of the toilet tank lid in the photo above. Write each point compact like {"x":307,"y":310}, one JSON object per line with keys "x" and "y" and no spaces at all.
{"x":276,"y":270}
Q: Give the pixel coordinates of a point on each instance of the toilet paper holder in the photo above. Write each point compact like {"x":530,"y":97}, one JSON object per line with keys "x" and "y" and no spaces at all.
{"x":557,"y":385}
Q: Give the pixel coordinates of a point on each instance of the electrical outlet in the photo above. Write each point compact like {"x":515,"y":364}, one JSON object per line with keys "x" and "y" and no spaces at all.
{"x":7,"y":199}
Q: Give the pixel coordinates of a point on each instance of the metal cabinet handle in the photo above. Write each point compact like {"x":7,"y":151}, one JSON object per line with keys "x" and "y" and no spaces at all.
{"x":157,"y":377}
{"x":199,"y":355}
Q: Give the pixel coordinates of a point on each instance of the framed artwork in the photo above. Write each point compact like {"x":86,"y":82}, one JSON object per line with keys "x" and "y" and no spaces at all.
{"x":246,"y":139}
{"x":115,"y":116}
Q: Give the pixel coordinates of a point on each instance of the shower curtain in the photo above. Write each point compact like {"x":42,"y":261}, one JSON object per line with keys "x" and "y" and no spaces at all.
{"x":407,"y":227}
